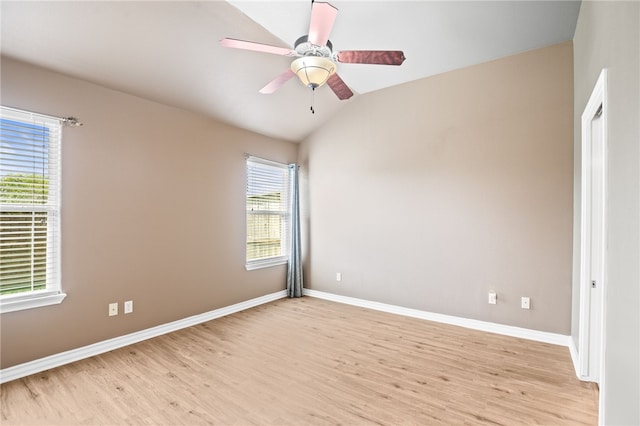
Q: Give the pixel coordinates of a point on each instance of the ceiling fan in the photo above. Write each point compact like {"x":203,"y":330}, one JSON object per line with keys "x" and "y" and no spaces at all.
{"x":316,"y":62}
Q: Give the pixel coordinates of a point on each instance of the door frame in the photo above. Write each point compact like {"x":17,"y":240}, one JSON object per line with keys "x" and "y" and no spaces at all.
{"x":597,"y":100}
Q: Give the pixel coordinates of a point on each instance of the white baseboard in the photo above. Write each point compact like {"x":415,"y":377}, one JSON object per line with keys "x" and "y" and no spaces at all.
{"x":38,"y":365}
{"x":574,"y":357}
{"x":42,"y":364}
{"x":507,"y":330}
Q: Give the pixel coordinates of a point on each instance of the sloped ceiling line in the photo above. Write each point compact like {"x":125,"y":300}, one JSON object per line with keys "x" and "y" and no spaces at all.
{"x":169,"y":51}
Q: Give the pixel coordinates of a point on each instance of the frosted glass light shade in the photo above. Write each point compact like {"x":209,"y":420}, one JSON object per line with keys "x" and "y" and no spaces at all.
{"x":313,"y":71}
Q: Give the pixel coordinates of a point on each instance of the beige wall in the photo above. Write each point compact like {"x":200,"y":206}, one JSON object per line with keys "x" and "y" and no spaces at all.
{"x":152,"y":211}
{"x":608,"y":36}
{"x":429,"y":194}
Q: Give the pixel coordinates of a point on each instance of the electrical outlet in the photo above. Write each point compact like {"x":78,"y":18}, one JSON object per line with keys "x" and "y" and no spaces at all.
{"x":493,"y":298}
{"x":525,"y":303}
{"x":113,"y":309}
{"x":128,"y":306}
{"x":338,"y":276}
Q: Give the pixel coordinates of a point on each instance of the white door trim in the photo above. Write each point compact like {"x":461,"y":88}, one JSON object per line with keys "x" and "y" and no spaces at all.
{"x":597,"y":100}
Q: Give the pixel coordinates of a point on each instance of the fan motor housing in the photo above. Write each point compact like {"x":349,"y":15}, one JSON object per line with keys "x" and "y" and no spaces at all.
{"x":304,"y":48}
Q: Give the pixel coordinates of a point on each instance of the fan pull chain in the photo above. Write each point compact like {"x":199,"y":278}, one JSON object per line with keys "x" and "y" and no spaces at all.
{"x":313,"y":92}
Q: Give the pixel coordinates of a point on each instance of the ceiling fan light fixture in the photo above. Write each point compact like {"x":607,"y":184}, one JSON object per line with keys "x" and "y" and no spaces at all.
{"x":313,"y":71}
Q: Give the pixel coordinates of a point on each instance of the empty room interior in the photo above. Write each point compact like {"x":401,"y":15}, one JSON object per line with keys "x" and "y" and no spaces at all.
{"x":297,"y":212}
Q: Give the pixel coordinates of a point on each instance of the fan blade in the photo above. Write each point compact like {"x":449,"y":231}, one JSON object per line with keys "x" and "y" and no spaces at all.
{"x":322,"y":17}
{"x":378,"y":57}
{"x":277,"y":82}
{"x":339,"y":87}
{"x":258,"y":47}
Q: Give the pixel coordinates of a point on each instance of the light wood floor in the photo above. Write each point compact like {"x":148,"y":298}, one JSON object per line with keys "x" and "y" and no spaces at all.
{"x":309,"y":361}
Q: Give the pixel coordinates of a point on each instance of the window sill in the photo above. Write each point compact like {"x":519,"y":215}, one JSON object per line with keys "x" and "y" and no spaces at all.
{"x":259,"y":264}
{"x":36,"y":300}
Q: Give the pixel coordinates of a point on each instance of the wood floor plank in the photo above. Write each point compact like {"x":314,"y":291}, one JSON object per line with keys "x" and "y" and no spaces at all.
{"x":310,"y":362}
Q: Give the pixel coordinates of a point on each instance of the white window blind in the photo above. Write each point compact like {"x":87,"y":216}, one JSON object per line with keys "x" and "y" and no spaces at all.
{"x":29,"y":210}
{"x":267,"y":213}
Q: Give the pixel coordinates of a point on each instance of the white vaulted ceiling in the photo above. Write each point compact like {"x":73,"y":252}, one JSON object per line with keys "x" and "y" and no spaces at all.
{"x":168,"y":51}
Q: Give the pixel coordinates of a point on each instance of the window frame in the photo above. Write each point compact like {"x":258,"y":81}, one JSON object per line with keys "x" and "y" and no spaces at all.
{"x":52,"y":294}
{"x":285,"y":214}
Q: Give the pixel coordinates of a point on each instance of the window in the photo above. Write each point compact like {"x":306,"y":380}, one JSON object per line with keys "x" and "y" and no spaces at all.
{"x":29,"y":210}
{"x":267,"y":213}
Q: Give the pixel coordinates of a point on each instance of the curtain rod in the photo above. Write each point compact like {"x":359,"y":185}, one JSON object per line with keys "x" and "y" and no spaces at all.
{"x":69,"y":121}
{"x":267,"y":161}
{"x":264,"y":160}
